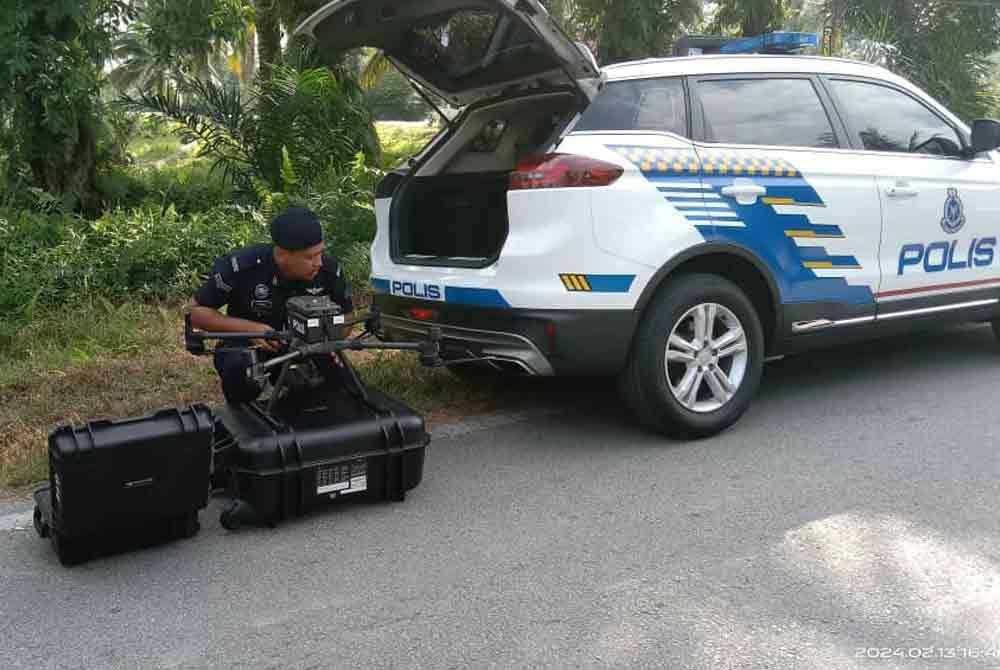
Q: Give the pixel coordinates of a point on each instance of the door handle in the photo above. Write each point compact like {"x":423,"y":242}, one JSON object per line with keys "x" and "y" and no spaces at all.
{"x":902,"y":191}
{"x":745,"y":191}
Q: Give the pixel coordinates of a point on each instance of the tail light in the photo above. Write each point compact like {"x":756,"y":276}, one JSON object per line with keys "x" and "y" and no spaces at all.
{"x":562,"y":171}
{"x":423,"y":314}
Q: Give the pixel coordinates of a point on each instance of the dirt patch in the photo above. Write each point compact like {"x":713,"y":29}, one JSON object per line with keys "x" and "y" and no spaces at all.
{"x":109,"y":387}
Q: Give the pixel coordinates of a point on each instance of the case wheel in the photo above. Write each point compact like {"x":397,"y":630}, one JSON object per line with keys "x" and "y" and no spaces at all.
{"x":229,"y":520}
{"x":237,"y":515}
{"x":41,"y":525}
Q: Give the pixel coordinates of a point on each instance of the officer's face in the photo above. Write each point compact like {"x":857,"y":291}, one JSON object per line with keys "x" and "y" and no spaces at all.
{"x":301,"y":265}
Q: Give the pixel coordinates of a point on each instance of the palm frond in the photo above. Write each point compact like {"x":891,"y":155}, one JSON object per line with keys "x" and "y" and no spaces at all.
{"x":375,"y":68}
{"x":286,"y":131}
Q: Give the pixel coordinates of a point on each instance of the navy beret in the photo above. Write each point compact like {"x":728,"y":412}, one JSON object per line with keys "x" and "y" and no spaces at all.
{"x":296,"y":228}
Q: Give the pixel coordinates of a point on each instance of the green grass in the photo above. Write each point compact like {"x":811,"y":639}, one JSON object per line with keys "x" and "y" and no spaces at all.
{"x":402,"y":140}
{"x":83,"y":332}
{"x":156,"y":148}
{"x":399,"y":142}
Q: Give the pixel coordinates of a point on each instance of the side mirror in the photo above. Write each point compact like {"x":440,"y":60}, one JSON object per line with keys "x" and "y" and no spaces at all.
{"x":985,"y":135}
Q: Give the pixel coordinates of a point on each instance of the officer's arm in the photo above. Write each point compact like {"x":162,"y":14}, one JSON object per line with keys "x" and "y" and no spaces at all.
{"x":212,"y":320}
{"x":213,"y":294}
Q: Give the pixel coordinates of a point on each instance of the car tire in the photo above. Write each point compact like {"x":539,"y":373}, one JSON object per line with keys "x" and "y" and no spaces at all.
{"x":684,"y":386}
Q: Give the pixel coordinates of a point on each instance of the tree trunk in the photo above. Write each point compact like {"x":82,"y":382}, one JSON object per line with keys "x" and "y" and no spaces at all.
{"x":268,"y":35}
{"x":836,"y":27}
{"x":248,"y":57}
{"x":69,"y":170}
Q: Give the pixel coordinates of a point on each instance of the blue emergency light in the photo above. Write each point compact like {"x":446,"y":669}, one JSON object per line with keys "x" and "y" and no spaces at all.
{"x":780,"y":42}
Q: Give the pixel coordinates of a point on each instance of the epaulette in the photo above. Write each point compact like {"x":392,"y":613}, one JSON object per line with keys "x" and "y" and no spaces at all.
{"x":248,"y":257}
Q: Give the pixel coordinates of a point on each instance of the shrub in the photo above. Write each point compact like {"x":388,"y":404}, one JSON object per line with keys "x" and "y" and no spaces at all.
{"x":188,"y":188}
{"x":52,"y":260}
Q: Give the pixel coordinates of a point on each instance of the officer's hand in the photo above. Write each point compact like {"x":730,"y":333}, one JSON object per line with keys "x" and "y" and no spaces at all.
{"x":267,"y":345}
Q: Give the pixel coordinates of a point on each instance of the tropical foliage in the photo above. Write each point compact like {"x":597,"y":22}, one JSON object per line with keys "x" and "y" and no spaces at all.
{"x":750,"y":17}
{"x":626,"y":29}
{"x":943,"y":46}
{"x":51,"y":59}
{"x":284,"y":131}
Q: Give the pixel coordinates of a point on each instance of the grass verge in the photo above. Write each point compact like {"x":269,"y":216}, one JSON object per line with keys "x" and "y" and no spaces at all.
{"x":105,"y":361}
{"x":164,"y":147}
{"x":401,"y":140}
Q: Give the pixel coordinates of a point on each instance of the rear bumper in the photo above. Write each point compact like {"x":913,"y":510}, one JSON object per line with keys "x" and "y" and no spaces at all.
{"x":535,"y":342}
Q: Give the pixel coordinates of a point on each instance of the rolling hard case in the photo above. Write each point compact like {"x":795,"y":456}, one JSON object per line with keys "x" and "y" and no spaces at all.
{"x":342,"y":443}
{"x":117,"y":484}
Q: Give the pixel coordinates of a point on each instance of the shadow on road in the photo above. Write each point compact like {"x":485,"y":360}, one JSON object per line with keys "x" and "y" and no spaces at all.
{"x":799,"y":382}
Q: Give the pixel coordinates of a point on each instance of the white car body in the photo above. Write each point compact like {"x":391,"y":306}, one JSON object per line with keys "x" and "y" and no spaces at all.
{"x":627,"y":233}
{"x":771,"y":172}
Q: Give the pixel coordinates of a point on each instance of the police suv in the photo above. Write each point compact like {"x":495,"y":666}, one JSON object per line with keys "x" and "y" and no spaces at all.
{"x":672,"y":221}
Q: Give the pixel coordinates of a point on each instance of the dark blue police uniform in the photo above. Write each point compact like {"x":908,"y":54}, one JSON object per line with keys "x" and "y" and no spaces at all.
{"x":248,"y":283}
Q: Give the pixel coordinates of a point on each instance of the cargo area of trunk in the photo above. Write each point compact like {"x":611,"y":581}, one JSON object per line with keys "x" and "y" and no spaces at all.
{"x":452,"y":210}
{"x":460,"y":219}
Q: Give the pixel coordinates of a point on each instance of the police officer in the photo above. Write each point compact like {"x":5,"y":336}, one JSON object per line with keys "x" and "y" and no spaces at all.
{"x":253,"y":284}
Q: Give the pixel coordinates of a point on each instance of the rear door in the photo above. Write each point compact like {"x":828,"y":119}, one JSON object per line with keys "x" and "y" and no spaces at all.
{"x":656,"y":208}
{"x":941,"y":210}
{"x":465,"y":51}
{"x":781,"y":186}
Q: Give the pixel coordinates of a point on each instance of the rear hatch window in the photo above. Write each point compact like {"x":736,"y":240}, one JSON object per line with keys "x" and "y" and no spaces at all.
{"x":464,"y":51}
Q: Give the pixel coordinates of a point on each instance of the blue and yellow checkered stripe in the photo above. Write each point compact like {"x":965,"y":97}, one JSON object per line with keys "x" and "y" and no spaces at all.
{"x":665,"y":162}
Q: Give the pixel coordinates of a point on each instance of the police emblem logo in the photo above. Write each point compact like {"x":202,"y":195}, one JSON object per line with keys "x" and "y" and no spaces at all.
{"x":954,"y":213}
{"x":262,"y":292}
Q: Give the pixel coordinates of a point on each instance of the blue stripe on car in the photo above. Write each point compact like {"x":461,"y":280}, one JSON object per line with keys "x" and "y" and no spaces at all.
{"x":610,"y":283}
{"x":481,"y":297}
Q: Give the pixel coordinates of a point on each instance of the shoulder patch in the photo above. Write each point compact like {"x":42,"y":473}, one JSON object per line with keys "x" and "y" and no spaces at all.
{"x":221,"y":283}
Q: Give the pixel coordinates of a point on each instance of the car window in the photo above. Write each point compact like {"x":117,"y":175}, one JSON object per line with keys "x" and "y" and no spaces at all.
{"x":471,"y":47}
{"x":455,"y":43}
{"x":647,"y":104}
{"x":888,"y":120}
{"x":772,"y":112}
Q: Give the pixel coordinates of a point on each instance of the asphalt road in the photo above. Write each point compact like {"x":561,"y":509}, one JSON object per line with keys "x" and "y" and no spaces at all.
{"x":851,"y":514}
